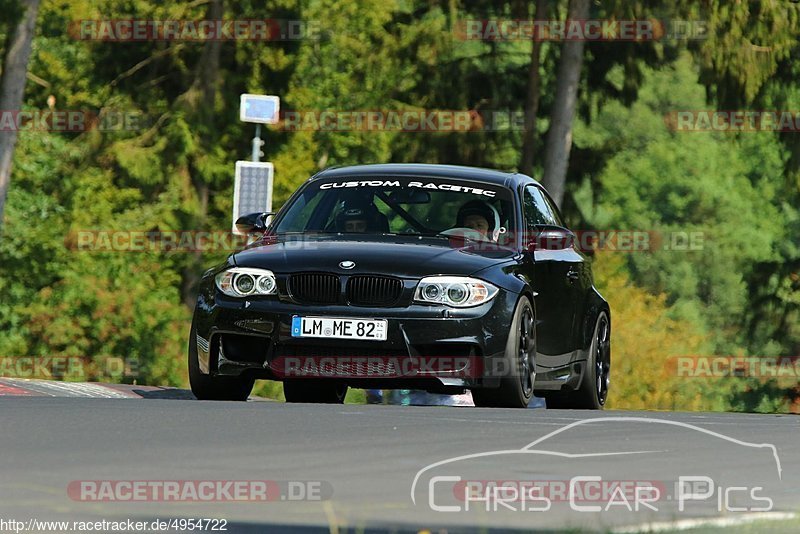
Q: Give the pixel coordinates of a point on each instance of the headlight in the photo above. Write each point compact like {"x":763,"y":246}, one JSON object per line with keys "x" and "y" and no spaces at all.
{"x":456,"y":291}
{"x":245,"y":281}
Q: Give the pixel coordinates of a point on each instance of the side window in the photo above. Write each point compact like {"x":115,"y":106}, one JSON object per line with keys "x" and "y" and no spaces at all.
{"x":536,"y":208}
{"x":554,"y":211}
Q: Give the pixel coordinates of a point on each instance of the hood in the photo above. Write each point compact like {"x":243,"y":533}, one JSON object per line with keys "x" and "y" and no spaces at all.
{"x":406,"y":257}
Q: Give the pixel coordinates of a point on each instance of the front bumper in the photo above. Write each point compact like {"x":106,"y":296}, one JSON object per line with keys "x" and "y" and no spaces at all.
{"x":236,"y":336}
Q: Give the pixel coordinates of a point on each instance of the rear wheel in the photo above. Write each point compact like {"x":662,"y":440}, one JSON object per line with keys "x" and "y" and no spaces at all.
{"x":314,"y":391}
{"x":516,"y":385}
{"x":220,"y":388}
{"x":593,"y":390}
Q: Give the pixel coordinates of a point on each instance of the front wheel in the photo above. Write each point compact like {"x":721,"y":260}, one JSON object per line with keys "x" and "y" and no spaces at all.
{"x":219,"y":388}
{"x":315,"y":391}
{"x":593,"y":390}
{"x":516,"y":386}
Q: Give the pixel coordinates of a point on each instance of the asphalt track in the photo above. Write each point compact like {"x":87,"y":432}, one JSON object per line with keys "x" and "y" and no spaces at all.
{"x":363,"y":464}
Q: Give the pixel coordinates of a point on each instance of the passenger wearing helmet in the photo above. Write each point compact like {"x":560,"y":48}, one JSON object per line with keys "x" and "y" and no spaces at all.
{"x":480,"y":217}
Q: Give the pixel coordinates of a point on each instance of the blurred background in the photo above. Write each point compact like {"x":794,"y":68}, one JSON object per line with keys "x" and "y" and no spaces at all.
{"x":598,"y":120}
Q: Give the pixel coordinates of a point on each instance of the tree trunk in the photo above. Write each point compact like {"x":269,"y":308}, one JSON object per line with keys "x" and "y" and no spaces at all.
{"x":532,"y":98}
{"x":202,"y":109}
{"x":559,"y":137}
{"x":12,"y":88}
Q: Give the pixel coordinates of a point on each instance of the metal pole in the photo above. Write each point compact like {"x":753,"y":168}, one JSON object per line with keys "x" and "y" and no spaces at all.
{"x":257,"y":144}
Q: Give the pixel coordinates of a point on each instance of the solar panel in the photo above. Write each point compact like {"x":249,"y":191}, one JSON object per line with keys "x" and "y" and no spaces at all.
{"x":252,"y":191}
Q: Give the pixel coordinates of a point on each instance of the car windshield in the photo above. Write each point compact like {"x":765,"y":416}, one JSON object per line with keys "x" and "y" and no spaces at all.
{"x":403,"y":206}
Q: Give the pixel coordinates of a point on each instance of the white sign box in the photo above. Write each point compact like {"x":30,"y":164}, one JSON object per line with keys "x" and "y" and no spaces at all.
{"x":262,"y":109}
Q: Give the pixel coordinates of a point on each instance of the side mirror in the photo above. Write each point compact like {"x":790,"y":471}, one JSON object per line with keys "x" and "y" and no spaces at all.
{"x":549,"y":237}
{"x":252,"y":223}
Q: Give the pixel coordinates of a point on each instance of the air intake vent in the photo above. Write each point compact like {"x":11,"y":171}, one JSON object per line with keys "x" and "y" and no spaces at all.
{"x":315,"y":288}
{"x":373,"y":290}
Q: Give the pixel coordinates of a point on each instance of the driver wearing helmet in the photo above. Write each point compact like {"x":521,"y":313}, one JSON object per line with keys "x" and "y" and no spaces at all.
{"x":357,"y":217}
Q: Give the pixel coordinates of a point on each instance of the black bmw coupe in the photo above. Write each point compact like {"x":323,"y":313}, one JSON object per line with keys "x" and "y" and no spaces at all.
{"x":432,"y":277}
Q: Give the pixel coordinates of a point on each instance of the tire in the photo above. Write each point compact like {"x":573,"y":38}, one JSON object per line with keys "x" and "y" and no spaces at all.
{"x":314,"y":391}
{"x":516,"y":387}
{"x":217,"y":388}
{"x":593,"y":390}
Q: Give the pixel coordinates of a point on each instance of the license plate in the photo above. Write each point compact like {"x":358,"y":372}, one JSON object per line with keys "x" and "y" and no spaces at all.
{"x":365,"y":329}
